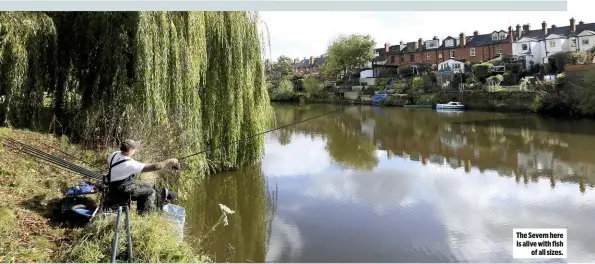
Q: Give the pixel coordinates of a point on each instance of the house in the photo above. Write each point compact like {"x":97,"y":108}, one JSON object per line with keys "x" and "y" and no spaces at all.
{"x":536,"y":46}
{"x":307,"y":66}
{"x":476,"y":48}
{"x":452,"y":65}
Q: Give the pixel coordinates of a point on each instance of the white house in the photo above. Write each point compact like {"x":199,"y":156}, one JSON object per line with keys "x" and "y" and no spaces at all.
{"x":586,"y":40}
{"x":454,"y":65}
{"x":538,"y":45}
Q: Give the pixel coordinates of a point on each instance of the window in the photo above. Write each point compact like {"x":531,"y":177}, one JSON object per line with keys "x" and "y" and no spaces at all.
{"x":377,"y":54}
{"x":456,"y":66}
{"x":525,"y":47}
{"x":573,"y":43}
{"x":392,"y":59}
{"x":494,"y":36}
{"x":440,"y":56}
{"x":499,"y":49}
{"x":585,"y":41}
{"x":486,"y":51}
{"x":412,"y":57}
{"x":472,"y":52}
{"x":428,"y":57}
{"x":402,"y":58}
{"x":449,"y":43}
{"x":452,"y":53}
{"x":552,"y":43}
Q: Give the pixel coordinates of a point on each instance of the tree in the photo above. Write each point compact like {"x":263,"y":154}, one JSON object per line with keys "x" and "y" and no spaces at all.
{"x":345,"y":53}
{"x":279,"y":70}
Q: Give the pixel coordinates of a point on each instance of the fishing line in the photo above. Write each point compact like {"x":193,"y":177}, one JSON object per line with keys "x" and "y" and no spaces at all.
{"x":268,"y":131}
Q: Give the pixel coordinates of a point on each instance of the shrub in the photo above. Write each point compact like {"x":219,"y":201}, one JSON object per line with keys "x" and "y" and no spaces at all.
{"x":417,"y":83}
{"x":284,"y":91}
{"x":482,"y":70}
{"x":312,"y":85}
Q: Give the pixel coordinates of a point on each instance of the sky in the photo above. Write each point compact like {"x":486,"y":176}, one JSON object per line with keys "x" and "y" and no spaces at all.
{"x":305,"y":34}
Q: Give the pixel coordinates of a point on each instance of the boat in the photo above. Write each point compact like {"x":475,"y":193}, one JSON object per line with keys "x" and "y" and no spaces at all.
{"x":417,"y":106}
{"x":450,"y":105}
{"x":378,"y":97}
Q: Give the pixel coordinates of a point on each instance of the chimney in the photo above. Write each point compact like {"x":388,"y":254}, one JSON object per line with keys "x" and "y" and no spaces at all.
{"x":420,"y":44}
{"x":462,"y":40}
{"x":475,"y":33}
{"x":510,"y":35}
{"x":572,"y":24}
{"x":435,"y":38}
{"x":386,"y":47}
{"x":311,"y":59}
{"x":544,"y":28}
{"x":401,"y":43}
{"x":295,"y":61}
{"x":581,"y":23}
{"x":518,"y":31}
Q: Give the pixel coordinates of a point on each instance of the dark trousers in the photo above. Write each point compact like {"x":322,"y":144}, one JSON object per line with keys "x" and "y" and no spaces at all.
{"x":144,"y":195}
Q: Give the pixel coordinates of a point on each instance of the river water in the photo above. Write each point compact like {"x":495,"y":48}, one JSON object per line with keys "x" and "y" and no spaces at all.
{"x":402,"y":185}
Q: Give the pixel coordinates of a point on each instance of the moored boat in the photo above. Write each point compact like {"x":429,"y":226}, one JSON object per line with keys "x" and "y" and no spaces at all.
{"x":450,"y":105}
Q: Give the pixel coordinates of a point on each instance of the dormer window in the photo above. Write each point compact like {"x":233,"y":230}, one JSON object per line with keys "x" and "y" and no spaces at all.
{"x":449,"y":43}
{"x":494,"y":36}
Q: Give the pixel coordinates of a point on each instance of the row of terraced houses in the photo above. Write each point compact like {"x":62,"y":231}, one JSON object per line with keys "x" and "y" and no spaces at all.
{"x":534,"y":45}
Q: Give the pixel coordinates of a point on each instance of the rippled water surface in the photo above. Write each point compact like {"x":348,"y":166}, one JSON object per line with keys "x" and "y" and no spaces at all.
{"x":402,"y":185}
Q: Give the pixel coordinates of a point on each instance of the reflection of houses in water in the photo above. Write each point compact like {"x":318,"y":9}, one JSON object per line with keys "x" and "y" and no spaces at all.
{"x":455,"y":141}
{"x":539,"y":162}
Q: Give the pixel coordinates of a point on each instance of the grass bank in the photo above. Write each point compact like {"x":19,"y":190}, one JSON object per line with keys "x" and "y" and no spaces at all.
{"x":29,"y":190}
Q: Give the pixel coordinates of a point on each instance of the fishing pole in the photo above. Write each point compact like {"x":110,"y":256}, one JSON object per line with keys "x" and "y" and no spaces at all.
{"x":268,"y":131}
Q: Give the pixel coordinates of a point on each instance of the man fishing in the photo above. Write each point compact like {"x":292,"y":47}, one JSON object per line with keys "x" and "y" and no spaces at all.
{"x":123,"y":169}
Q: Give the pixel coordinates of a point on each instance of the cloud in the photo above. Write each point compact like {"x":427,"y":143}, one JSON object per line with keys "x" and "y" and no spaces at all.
{"x":303,"y":156}
{"x":478,"y":211}
{"x":285,"y":239}
{"x":302,"y":34}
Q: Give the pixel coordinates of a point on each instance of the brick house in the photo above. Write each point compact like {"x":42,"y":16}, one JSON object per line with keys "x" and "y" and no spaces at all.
{"x":307,"y":66}
{"x":475,"y":48}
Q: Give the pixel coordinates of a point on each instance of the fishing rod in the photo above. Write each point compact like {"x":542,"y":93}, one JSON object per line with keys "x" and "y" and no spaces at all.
{"x":265,"y":132}
{"x":72,"y":167}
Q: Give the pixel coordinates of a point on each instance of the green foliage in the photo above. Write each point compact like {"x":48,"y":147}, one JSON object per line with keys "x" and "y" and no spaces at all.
{"x":346,"y":53}
{"x":154,"y":242}
{"x":153,"y":76}
{"x":554,"y":99}
{"x":313,"y":85}
{"x":417,"y":83}
{"x":482,"y":71}
{"x":524,"y":84}
{"x":585,"y":94}
{"x":406,"y":72}
{"x":283,"y":92}
{"x":507,"y":78}
{"x":277,"y":71}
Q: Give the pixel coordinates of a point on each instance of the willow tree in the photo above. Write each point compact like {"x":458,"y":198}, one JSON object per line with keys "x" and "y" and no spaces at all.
{"x":27,"y":50}
{"x":187,"y":80}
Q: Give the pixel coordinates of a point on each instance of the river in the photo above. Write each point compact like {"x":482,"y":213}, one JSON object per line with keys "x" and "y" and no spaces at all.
{"x":402,"y":185}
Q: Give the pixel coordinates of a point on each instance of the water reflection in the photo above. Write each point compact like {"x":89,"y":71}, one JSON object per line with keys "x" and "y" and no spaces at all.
{"x":407,"y":185}
{"x":247,"y":236}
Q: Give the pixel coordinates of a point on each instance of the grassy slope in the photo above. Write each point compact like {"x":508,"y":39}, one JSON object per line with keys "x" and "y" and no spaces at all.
{"x":28,"y":191}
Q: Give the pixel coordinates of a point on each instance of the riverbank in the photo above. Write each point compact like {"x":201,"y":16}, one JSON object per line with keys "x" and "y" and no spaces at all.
{"x":504,"y":101}
{"x":29,"y":190}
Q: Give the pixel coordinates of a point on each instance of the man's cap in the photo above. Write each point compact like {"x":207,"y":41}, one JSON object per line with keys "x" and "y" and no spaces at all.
{"x":128,"y":145}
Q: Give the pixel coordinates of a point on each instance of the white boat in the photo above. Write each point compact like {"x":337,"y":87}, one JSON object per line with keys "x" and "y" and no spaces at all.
{"x":450,"y":105}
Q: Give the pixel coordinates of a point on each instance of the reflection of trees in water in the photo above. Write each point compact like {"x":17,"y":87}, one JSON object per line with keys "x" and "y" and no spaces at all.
{"x":346,"y":143}
{"x":486,"y":141}
{"x":246,"y":237}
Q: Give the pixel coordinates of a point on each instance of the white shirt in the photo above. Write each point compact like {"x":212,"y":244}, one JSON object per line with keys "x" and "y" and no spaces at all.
{"x":124,"y":169}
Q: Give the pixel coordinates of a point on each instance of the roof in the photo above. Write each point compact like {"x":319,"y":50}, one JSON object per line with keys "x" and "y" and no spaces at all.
{"x":565,"y":31}
{"x":485,"y":39}
{"x":305,"y":63}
